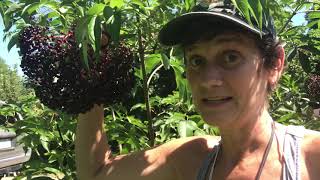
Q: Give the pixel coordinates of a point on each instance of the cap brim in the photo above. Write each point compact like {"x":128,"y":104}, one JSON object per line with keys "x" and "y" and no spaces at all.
{"x":175,"y":31}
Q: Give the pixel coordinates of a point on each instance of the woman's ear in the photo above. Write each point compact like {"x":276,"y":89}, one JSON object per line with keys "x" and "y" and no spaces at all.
{"x":276,"y":71}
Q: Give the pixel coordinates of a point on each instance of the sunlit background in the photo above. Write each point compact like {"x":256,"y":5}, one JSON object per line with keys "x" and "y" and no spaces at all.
{"x":12,"y":58}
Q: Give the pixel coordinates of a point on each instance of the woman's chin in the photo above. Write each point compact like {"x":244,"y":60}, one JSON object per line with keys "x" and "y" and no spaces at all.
{"x":218,"y":119}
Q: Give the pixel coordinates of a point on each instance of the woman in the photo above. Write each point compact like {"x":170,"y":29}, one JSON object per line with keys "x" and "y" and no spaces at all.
{"x":231,"y":68}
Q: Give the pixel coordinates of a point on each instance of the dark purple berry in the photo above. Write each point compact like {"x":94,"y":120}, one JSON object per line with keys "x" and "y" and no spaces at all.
{"x":54,"y":69}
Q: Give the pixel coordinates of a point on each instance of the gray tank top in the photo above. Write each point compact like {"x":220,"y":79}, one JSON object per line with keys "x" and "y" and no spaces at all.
{"x":291,"y":153}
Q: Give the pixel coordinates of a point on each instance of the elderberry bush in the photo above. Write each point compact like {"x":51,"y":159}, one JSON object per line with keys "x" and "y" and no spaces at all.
{"x":317,"y":69}
{"x":313,"y":89}
{"x":52,"y":64}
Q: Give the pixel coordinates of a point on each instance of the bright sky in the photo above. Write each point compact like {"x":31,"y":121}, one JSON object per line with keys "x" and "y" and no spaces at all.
{"x":13,"y":58}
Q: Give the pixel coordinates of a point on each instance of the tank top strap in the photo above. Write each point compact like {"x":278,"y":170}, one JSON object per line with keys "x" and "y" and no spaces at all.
{"x":292,"y":152}
{"x":297,"y":131}
{"x":202,"y":173}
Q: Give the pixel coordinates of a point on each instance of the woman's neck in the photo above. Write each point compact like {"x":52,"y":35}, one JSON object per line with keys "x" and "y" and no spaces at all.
{"x":245,"y":139}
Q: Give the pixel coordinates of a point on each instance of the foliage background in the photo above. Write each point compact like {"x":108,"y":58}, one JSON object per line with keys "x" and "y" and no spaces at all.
{"x":11,"y":84}
{"x":160,"y":108}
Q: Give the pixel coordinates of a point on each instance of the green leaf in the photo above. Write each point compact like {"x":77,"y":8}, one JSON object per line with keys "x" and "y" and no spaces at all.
{"x":13,"y":41}
{"x":85,"y":54}
{"x":20,"y":24}
{"x":186,"y":128}
{"x":152,"y":61}
{"x":107,"y":12}
{"x":127,"y":36}
{"x":180,"y":81}
{"x":1,"y":10}
{"x":314,"y":15}
{"x":30,"y":8}
{"x":14,"y":7}
{"x":257,"y":10}
{"x":44,"y":142}
{"x":178,"y":66}
{"x":311,"y":48}
{"x":91,"y":25}
{"x":305,"y":62}
{"x":7,"y":22}
{"x":136,"y":122}
{"x":58,"y":173}
{"x":52,"y":5}
{"x":176,"y":117}
{"x":292,"y":31}
{"x":55,"y":22}
{"x":234,"y":2}
{"x":97,"y":35}
{"x":81,"y":29}
{"x":53,"y":14}
{"x":116,"y":3}
{"x":64,"y":9}
{"x":80,"y":9}
{"x":138,"y":2}
{"x":286,"y":117}
{"x":312,"y":23}
{"x":81,"y":34}
{"x":200,"y":132}
{"x":292,"y":54}
{"x":141,"y":106}
{"x":243,"y":6}
{"x":187,"y":4}
{"x":138,"y":73}
{"x":114,"y":26}
{"x":96,"y":9}
{"x":165,"y":61}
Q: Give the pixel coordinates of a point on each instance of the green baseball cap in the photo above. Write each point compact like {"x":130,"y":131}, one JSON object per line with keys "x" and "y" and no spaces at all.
{"x":217,"y":14}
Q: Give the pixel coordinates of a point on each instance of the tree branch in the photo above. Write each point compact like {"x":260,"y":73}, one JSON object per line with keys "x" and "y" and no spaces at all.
{"x":153,"y":73}
{"x":308,"y":11}
{"x":59,"y":131}
{"x":289,"y":20}
{"x":145,"y":85}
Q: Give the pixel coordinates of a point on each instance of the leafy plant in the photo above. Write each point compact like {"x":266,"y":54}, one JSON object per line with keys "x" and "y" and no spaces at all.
{"x":149,"y":117}
{"x":49,"y":134}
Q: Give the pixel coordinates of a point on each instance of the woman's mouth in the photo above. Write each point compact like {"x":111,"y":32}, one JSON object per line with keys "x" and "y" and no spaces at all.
{"x":215,"y":102}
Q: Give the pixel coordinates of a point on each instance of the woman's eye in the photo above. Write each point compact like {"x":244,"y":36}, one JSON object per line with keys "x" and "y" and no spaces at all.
{"x":195,"y":62}
{"x":231,"y":58}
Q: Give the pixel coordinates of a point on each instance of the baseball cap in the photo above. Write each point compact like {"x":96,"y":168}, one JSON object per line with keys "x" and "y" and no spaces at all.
{"x":215,"y":14}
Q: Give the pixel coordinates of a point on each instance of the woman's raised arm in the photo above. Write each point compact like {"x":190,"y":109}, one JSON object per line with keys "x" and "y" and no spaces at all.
{"x":94,"y":159}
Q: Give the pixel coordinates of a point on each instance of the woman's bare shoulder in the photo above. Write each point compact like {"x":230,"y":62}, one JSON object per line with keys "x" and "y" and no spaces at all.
{"x":196,"y":146}
{"x":311,"y":144}
{"x":195,"y":142}
{"x":188,"y":154}
{"x":312,"y":139}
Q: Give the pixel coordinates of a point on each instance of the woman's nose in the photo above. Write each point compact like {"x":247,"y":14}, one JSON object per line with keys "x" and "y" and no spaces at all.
{"x":211,"y":77}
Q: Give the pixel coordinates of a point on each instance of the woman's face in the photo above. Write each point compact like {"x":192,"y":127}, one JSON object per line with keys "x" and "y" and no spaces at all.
{"x":227,"y":78}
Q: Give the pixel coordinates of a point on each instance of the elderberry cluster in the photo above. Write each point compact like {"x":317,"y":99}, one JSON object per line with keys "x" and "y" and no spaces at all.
{"x":53,"y":66}
{"x":313,"y":87}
